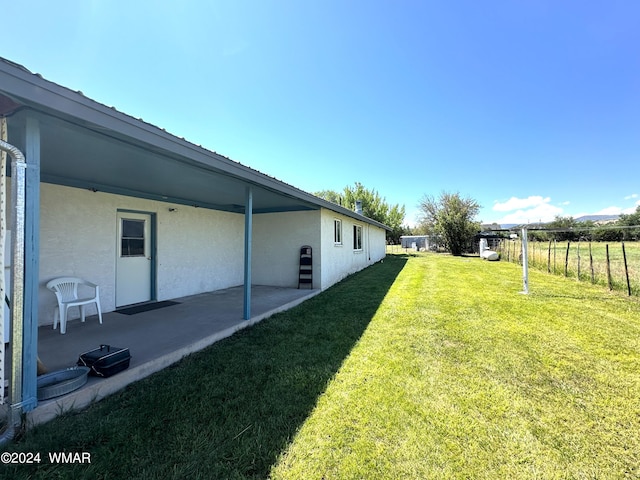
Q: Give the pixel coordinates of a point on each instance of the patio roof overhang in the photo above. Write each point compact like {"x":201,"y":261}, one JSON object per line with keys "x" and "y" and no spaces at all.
{"x":85,"y":144}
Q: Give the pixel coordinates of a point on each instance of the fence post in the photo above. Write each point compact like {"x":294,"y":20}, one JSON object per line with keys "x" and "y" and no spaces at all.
{"x":593,"y":278}
{"x":566,"y":260}
{"x":578,"y":259}
{"x":549,"y":258}
{"x":525,"y":262}
{"x":626,"y":270}
{"x":608,"y":269}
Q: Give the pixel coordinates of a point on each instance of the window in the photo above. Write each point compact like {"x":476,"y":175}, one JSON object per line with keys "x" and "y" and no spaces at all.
{"x":337,"y":232}
{"x":132,"y":240}
{"x":357,"y":237}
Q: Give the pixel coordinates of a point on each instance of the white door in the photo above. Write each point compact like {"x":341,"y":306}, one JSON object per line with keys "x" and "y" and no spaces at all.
{"x":133,"y":264}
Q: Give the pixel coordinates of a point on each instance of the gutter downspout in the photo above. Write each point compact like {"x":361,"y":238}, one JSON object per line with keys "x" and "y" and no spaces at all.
{"x":18,"y":184}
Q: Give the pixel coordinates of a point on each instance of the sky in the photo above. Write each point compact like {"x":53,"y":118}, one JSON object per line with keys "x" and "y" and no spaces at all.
{"x":529,"y":107}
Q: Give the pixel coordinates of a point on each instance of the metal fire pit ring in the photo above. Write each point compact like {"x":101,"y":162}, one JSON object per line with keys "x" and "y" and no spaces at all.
{"x":61,"y":382}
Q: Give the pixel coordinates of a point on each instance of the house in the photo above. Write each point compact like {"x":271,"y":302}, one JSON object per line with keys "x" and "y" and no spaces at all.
{"x":148,"y":216}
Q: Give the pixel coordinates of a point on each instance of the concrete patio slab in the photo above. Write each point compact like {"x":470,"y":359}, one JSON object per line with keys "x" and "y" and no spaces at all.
{"x":156,"y":338}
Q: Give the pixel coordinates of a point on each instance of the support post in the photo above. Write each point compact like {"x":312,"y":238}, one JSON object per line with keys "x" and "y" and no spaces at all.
{"x":5,"y":320}
{"x":31,"y":265}
{"x":525,"y":262}
{"x":248,"y":227}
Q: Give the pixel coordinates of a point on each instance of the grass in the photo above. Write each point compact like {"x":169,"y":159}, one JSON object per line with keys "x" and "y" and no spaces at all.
{"x":469,"y":379}
{"x":426,"y":366}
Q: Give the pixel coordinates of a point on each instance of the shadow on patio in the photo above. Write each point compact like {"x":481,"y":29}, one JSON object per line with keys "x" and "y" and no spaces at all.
{"x":156,"y":338}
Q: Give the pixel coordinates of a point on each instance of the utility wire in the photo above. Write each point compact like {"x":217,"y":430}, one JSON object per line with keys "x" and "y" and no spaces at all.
{"x":572,"y":229}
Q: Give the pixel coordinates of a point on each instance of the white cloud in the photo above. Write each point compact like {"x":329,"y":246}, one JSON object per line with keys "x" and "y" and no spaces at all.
{"x":609,"y":211}
{"x":541,"y":213}
{"x":536,"y":208}
{"x":515,"y":203}
{"x":617,"y":210}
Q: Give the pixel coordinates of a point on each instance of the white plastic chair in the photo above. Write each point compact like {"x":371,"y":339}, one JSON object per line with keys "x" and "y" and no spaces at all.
{"x":66,"y":290}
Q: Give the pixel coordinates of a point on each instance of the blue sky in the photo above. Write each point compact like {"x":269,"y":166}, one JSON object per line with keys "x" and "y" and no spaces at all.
{"x":531,"y":107}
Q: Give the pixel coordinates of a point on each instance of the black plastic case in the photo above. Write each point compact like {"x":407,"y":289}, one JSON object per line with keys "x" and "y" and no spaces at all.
{"x":106,"y":360}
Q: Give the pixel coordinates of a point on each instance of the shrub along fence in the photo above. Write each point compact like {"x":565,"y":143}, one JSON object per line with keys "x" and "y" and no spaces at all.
{"x":615,"y":265}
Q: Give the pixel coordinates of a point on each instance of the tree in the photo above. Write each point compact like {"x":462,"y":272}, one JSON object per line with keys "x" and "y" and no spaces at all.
{"x":330,"y":196}
{"x":452,"y":216}
{"x":568,"y":224}
{"x":630,"y":220}
{"x":607,"y":234}
{"x":373,"y":206}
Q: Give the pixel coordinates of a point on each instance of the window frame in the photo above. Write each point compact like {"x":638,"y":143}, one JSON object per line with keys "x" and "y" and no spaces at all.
{"x":337,"y":232}
{"x":357,"y":237}
{"x":135,"y":239}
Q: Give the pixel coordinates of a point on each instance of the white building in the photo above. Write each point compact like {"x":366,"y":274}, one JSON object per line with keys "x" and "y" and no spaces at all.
{"x":149,"y":216}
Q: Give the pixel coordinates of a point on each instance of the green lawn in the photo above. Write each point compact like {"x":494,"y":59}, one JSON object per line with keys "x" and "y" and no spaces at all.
{"x":427,"y":366}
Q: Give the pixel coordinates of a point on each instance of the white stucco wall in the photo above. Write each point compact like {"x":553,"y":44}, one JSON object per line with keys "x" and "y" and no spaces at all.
{"x":338,"y":261}
{"x":277,"y":238}
{"x":378,"y":243}
{"x":198,"y":250}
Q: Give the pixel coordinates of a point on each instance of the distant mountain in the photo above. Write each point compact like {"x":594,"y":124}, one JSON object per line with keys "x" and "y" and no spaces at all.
{"x":598,"y":218}
{"x":518,"y":226}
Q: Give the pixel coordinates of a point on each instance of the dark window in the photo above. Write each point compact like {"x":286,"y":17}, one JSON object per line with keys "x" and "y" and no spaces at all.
{"x":132,"y":241}
{"x":357,"y":237}
{"x":337,"y":232}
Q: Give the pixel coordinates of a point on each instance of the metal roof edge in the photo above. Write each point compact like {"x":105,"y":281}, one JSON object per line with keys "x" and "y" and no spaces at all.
{"x":350,"y":213}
